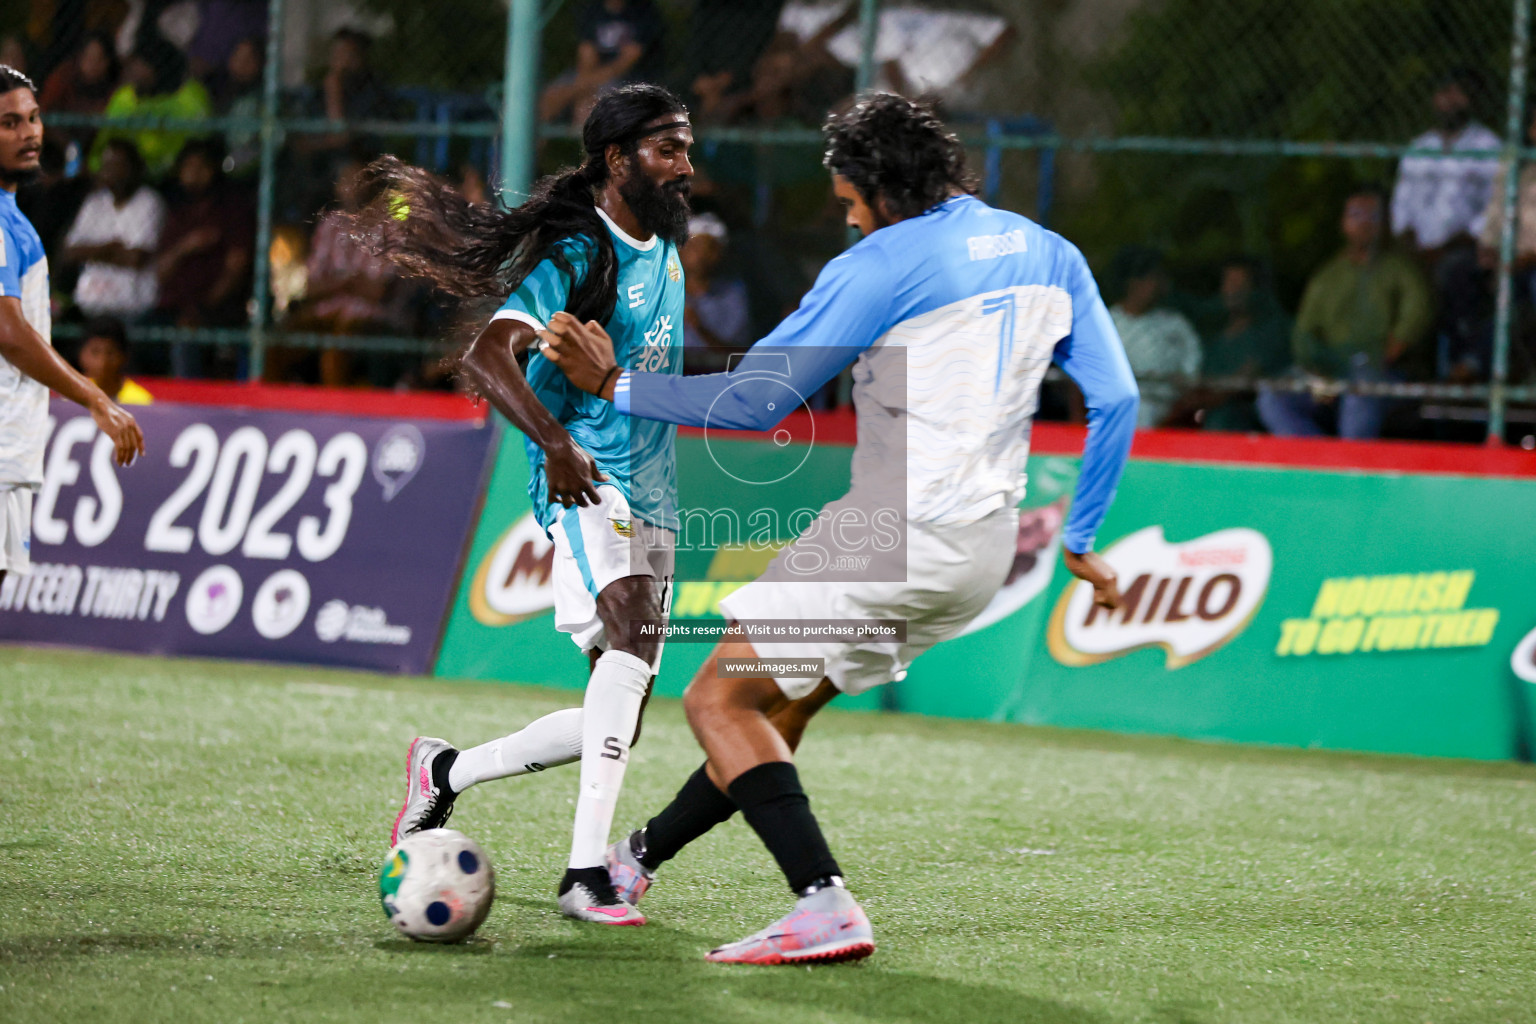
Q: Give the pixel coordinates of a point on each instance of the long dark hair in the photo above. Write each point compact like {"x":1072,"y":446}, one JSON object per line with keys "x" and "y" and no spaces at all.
{"x":890,"y":147}
{"x":478,"y":251}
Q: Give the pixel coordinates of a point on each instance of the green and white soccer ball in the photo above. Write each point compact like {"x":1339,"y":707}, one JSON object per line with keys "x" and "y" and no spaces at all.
{"x":437,"y":886}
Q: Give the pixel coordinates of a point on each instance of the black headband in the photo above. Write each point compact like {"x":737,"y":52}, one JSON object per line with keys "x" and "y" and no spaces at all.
{"x":640,"y":133}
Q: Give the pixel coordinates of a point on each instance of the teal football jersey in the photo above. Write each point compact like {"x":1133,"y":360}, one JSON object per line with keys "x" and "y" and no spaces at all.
{"x":647,"y":329}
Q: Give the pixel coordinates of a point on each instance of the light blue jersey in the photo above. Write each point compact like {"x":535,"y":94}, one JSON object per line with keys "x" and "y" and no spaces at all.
{"x":23,"y":401}
{"x":953,"y":317}
{"x":647,"y":330}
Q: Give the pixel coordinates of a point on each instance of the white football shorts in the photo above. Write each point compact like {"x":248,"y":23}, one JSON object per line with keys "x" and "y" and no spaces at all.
{"x":595,"y":545}
{"x":15,"y":529}
{"x":953,"y":572}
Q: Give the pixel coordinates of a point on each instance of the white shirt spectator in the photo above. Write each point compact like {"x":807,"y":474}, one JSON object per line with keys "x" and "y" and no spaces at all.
{"x":934,"y":49}
{"x":105,"y":289}
{"x":1158,"y":343}
{"x":1439,"y":198}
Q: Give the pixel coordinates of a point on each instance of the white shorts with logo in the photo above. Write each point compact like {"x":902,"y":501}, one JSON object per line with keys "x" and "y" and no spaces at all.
{"x":595,"y":545}
{"x":15,"y":529}
{"x":952,"y":574}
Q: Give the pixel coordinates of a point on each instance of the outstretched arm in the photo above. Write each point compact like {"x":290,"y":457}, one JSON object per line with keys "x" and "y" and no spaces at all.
{"x":490,"y":367}
{"x":26,"y":350}
{"x":844,"y":314}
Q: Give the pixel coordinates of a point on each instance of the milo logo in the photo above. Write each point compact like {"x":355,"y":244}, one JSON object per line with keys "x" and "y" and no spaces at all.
{"x":1188,"y":598}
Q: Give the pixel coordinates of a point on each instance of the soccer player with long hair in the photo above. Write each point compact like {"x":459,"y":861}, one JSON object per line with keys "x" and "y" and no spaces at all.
{"x":950,"y":313}
{"x":598,"y":242}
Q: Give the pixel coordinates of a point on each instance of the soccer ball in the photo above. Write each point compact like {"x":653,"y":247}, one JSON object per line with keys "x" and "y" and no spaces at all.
{"x":437,"y":886}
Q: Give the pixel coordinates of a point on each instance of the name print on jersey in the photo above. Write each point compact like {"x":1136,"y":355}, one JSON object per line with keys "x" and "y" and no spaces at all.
{"x":990,"y":247}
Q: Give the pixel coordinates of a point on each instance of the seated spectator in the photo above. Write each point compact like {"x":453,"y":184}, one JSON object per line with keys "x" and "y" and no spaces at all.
{"x":157,"y":85}
{"x":716,"y":317}
{"x":203,"y":265}
{"x":104,"y":358}
{"x":236,"y":90}
{"x":114,"y":238}
{"x":82,"y":84}
{"x":349,"y":290}
{"x":223,"y":25}
{"x":726,"y":38}
{"x":1438,"y":210}
{"x":1161,"y":344}
{"x":1363,"y":312}
{"x":1471,"y":362}
{"x":14,"y":52}
{"x":1252,"y":340}
{"x":350,"y":91}
{"x":51,"y":203}
{"x":618,"y":41}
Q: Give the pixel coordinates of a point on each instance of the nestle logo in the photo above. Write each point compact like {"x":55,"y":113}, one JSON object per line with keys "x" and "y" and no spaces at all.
{"x":1213,"y":556}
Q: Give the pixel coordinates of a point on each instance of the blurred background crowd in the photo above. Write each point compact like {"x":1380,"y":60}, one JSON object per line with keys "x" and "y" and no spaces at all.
{"x":1307,"y":270}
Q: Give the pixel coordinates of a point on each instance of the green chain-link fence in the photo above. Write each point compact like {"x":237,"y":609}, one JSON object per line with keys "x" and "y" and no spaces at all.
{"x":1220,"y":139}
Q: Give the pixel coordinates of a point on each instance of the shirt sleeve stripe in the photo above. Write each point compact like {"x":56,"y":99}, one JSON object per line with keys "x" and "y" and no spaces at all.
{"x":520,"y":317}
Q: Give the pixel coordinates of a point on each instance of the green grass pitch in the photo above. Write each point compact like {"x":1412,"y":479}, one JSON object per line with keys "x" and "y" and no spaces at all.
{"x":196,"y":841}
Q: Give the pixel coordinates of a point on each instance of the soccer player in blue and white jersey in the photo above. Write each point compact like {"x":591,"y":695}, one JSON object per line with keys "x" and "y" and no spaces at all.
{"x":950,"y":312}
{"x":29,"y":366}
{"x":599,"y":241}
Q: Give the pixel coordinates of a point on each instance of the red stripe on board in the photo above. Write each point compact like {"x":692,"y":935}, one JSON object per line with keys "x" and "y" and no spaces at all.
{"x":1214,"y":447}
{"x":412,"y":405}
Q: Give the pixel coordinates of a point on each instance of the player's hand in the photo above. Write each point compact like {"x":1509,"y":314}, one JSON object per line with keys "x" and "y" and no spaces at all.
{"x":583,"y":351}
{"x":571,"y":473}
{"x":122,"y":428}
{"x":1090,"y":567}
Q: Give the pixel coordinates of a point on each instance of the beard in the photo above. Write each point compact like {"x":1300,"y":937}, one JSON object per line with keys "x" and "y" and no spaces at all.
{"x":15,"y":177}
{"x":660,"y":209}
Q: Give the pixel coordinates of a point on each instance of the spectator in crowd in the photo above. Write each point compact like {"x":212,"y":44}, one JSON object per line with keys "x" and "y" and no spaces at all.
{"x":14,"y":52}
{"x":203,"y":265}
{"x":1252,"y":340}
{"x":617,"y":41}
{"x":349,"y":290}
{"x":104,"y":358}
{"x":114,"y":237}
{"x":716,"y":317}
{"x":1439,"y":205}
{"x":1160,"y":343}
{"x":1472,"y":361}
{"x":726,"y":38}
{"x":82,"y":84}
{"x":157,"y":83}
{"x":223,"y":25}
{"x":349,"y":91}
{"x":1362,"y":314}
{"x":236,"y":91}
{"x":51,"y":203}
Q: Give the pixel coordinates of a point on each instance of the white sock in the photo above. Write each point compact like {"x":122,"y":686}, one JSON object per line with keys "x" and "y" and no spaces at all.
{"x":610,"y":713}
{"x":553,"y":740}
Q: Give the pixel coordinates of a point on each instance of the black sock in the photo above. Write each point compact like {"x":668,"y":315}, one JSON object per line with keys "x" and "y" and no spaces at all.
{"x":442,"y":764}
{"x":776,"y":807}
{"x":595,"y":879}
{"x":698,"y":807}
